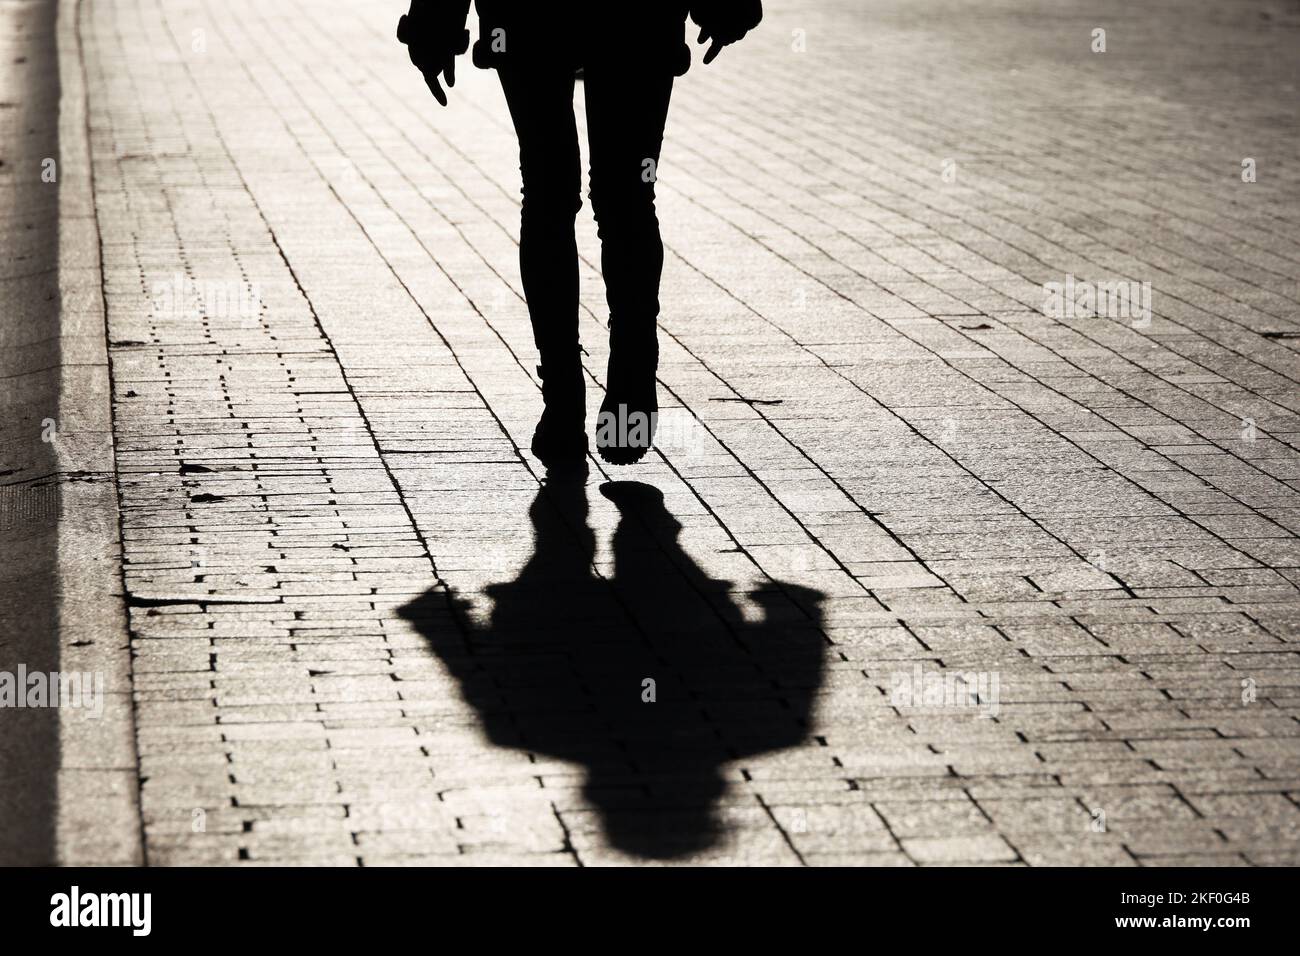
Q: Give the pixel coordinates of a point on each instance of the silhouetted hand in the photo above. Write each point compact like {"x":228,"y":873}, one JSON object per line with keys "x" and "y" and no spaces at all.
{"x":434,"y":33}
{"x":724,"y":22}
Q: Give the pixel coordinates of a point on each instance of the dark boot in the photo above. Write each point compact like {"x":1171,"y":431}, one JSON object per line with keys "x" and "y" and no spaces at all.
{"x":629,"y":414}
{"x":560,"y":438}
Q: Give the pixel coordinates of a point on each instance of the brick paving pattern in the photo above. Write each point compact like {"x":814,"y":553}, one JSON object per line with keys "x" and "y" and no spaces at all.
{"x":882,"y":463}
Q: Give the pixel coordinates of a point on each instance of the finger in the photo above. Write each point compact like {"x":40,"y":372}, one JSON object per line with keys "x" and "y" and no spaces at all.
{"x":704,"y":35}
{"x":450,"y":71}
{"x":713,"y":52}
{"x":435,"y":88}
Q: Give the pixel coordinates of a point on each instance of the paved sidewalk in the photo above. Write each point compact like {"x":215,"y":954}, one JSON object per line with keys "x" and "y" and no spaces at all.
{"x":362,"y":635}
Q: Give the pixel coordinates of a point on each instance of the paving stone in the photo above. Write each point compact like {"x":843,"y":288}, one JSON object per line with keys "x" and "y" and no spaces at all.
{"x":937,"y":575}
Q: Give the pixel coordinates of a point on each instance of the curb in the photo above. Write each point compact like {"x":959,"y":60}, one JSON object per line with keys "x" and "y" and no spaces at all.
{"x":69,"y":784}
{"x":99,"y":783}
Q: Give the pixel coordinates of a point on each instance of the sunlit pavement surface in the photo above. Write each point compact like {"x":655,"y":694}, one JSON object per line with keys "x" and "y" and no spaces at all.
{"x":945,"y":570}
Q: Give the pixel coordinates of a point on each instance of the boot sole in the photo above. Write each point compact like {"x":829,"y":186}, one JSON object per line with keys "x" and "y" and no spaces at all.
{"x":617,"y":455}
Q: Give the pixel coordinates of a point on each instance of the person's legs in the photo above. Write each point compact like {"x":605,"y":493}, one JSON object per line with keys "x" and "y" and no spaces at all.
{"x":626,"y":112}
{"x":541,"y":105}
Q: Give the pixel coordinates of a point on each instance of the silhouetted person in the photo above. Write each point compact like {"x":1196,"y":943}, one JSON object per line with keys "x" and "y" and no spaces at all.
{"x":629,"y":53}
{"x":651,"y":680}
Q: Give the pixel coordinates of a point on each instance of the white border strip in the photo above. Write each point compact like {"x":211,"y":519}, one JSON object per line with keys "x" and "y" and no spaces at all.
{"x":98,"y":783}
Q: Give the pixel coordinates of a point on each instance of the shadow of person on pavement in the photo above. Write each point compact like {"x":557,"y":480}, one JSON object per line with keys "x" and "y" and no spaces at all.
{"x":651,"y":680}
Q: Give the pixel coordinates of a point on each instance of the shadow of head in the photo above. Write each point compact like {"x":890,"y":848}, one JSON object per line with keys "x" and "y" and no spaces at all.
{"x":652,"y":677}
